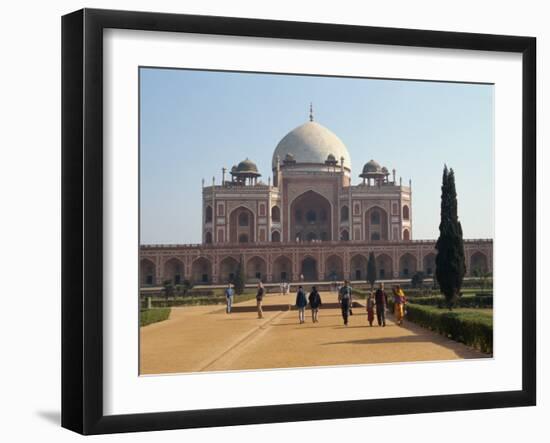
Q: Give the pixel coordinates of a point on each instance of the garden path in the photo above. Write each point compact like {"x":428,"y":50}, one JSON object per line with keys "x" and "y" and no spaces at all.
{"x":205,"y":338}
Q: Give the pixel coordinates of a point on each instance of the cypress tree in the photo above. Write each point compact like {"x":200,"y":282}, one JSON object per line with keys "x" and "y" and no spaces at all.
{"x":450,"y":262}
{"x":371,"y":270}
{"x":238,"y":280}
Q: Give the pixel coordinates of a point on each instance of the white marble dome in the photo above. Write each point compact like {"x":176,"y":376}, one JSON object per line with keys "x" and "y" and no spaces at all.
{"x":311,"y":143}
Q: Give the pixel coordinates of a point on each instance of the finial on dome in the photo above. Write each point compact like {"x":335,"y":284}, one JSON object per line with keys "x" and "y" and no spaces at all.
{"x":311,"y":112}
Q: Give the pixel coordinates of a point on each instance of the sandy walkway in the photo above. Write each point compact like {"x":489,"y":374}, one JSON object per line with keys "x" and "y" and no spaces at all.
{"x":207,"y":339}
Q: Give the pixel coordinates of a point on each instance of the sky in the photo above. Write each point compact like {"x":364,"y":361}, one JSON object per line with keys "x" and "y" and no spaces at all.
{"x":193,"y":123}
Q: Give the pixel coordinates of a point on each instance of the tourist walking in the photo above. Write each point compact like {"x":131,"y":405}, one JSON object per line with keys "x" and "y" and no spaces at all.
{"x":399,"y":301}
{"x":229,"y":292}
{"x":344,"y":298}
{"x":370,"y":308}
{"x":381,"y":301}
{"x":315,"y":304}
{"x":259,"y":299}
{"x":301,"y":303}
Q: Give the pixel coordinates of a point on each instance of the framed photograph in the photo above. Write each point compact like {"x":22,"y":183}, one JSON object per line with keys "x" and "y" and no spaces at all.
{"x":268,"y":221}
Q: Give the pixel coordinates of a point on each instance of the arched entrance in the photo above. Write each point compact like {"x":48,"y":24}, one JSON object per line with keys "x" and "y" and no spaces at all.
{"x":478,"y":262}
{"x":201,"y":271}
{"x":334,"y":268}
{"x":282,"y":269}
{"x":256,"y":269}
{"x":241,"y":226}
{"x":310,"y":218}
{"x":429,"y":264}
{"x":384,"y":267}
{"x":173,"y":271}
{"x":228,"y":269}
{"x":146,"y":272}
{"x":407,"y":265}
{"x":376,"y":224}
{"x":358,"y":267}
{"x":309,"y":269}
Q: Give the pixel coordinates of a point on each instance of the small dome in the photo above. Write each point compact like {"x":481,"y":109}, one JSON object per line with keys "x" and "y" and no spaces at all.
{"x":289,"y":157}
{"x":331,"y":158}
{"x":247,"y":166}
{"x":371,"y":166}
{"x":385,"y":170}
{"x":372,"y":169}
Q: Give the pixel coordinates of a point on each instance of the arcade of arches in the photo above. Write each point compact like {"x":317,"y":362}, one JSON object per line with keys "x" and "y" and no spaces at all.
{"x":328,"y":266}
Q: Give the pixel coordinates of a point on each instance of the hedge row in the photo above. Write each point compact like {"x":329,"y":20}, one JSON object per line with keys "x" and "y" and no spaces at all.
{"x":471,"y":329}
{"x":478,"y":301}
{"x":195,"y":301}
{"x":199,"y":293}
{"x":148,"y":316}
{"x":191,"y":301}
{"x":189,"y":293}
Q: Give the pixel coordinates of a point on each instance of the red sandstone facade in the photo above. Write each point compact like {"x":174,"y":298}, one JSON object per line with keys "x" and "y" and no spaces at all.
{"x":310,"y":223}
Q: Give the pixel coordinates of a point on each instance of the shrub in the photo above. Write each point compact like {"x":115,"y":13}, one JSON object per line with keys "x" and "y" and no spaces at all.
{"x":484,"y":294}
{"x":148,"y":316}
{"x":482,"y":301}
{"x":418,"y":292}
{"x":183,"y":288}
{"x":168,"y":289}
{"x":417,"y":280}
{"x":470,"y":328}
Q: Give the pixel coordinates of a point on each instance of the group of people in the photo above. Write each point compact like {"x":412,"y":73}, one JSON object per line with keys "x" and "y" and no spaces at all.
{"x":284,"y":288}
{"x":377,"y":303}
{"x":230,"y":293}
{"x":314,"y":300}
{"x":380,"y":302}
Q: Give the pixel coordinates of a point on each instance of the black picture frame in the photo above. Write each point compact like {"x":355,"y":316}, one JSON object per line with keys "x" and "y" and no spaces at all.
{"x":82,"y":218}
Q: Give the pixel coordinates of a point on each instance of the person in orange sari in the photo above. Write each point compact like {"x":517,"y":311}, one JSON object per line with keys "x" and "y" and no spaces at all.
{"x":399,"y":301}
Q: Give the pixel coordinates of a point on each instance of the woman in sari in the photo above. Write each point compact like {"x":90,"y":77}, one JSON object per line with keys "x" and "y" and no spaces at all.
{"x":399,"y":301}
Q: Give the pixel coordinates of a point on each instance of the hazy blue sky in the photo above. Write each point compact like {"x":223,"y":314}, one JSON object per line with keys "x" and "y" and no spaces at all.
{"x":195,"y":122}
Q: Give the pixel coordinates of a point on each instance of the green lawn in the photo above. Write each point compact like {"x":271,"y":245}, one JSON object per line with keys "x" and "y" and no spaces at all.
{"x":148,"y":316}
